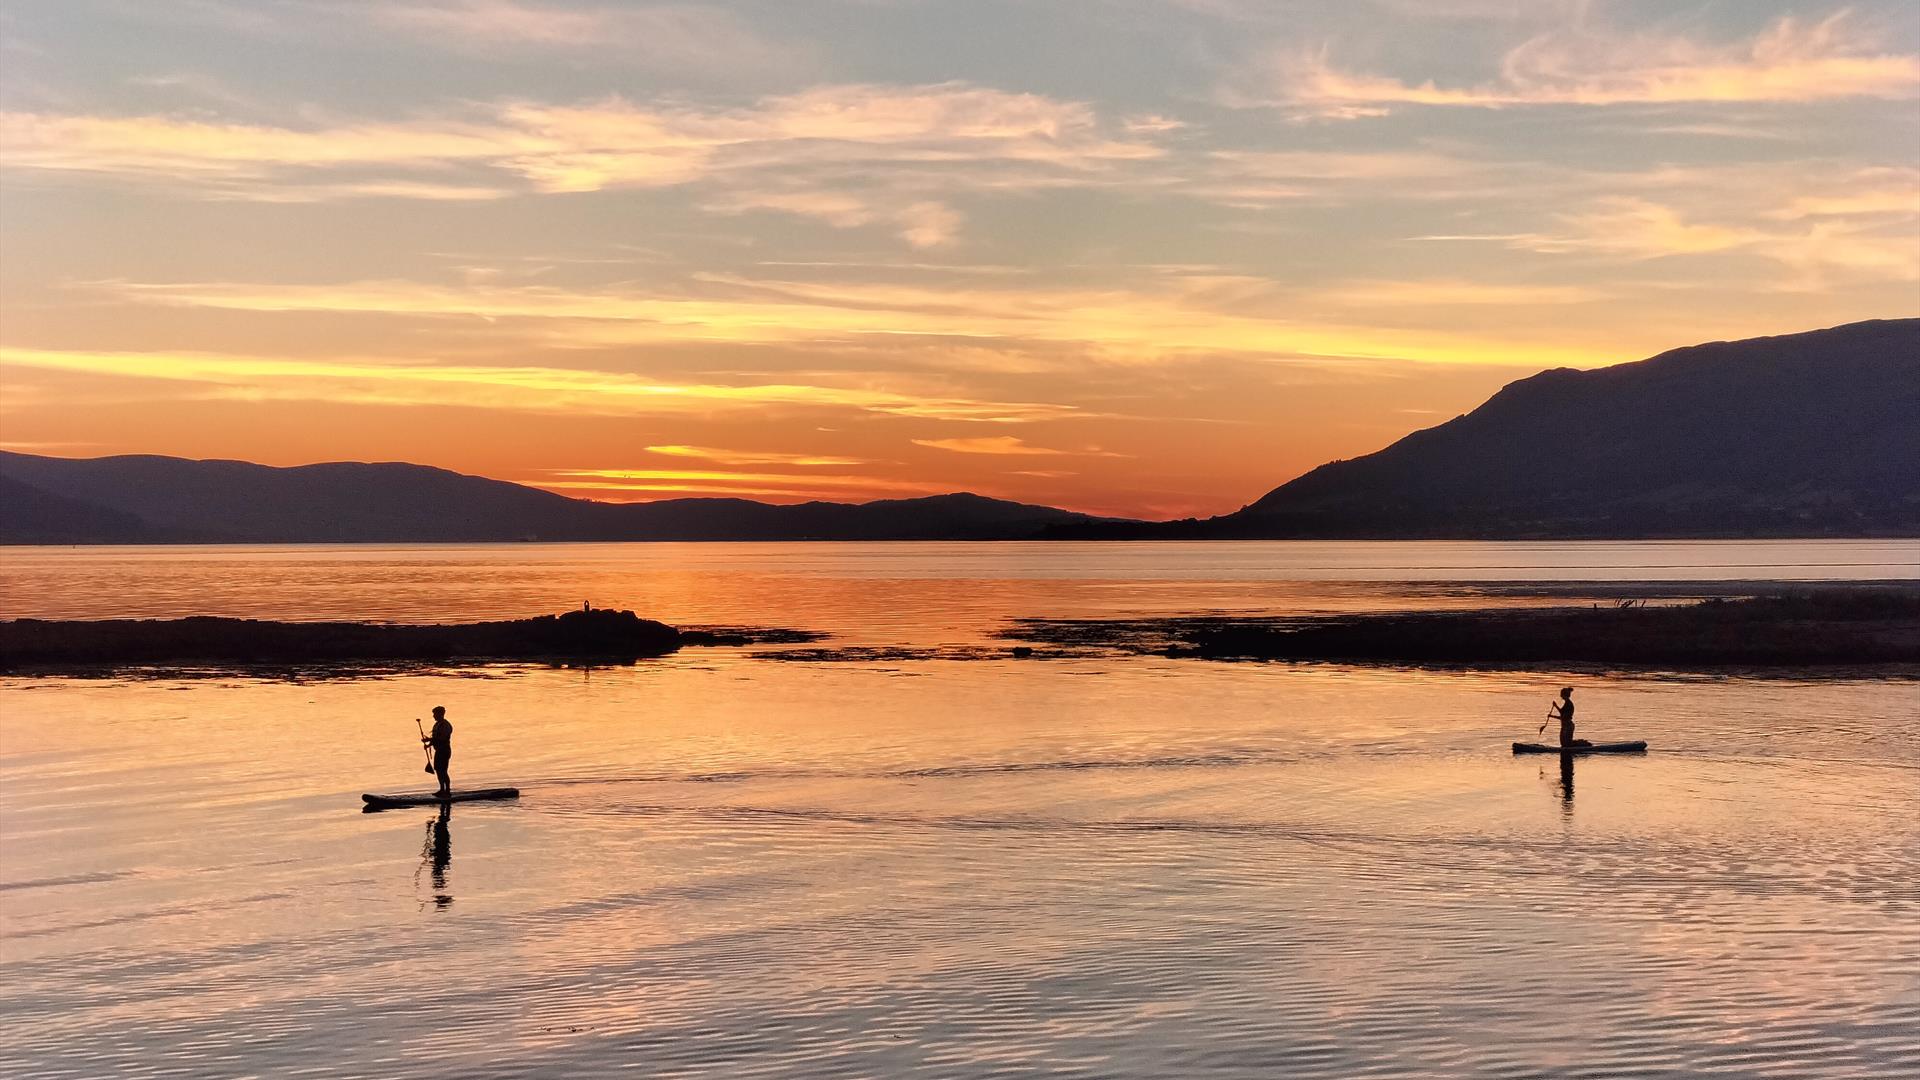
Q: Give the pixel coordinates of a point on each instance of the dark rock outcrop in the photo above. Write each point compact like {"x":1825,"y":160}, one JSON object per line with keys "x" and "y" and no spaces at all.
{"x":611,"y":636}
{"x":1841,"y":627}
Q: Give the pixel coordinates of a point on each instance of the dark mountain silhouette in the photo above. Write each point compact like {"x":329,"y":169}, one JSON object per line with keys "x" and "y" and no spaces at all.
{"x":31,"y":516}
{"x":960,"y":516}
{"x":344,"y":501}
{"x":143,"y":498}
{"x":1814,"y":434}
{"x":1807,"y":434}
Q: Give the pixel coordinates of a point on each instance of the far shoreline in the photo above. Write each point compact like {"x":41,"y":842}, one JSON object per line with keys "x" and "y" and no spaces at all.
{"x":1806,"y":628}
{"x":91,"y":646}
{"x":1670,"y":626}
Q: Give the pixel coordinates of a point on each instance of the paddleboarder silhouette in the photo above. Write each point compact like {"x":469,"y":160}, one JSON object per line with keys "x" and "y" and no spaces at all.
{"x":1562,"y":711}
{"x":440,"y":741}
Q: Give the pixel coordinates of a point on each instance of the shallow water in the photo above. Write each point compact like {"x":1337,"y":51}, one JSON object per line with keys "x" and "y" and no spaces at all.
{"x":728,"y":866}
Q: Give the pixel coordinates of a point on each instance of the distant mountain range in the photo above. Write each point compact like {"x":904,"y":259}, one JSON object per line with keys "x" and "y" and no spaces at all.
{"x":1814,"y":434}
{"x":147,"y":499}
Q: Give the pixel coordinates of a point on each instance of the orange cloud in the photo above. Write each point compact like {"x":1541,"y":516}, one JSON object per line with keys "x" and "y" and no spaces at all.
{"x":1000,"y":444}
{"x":511,"y":389}
{"x":1792,"y":61}
{"x":754,"y":457}
{"x":710,"y":476}
{"x":1372,"y":294}
{"x":1188,"y":315}
{"x":1890,"y":192}
{"x":367,"y":189}
{"x":1005,"y":445}
{"x":658,"y":482}
{"x":923,"y":223}
{"x":612,"y":143}
{"x":148,"y":146}
{"x":848,"y":155}
{"x":1636,"y":229}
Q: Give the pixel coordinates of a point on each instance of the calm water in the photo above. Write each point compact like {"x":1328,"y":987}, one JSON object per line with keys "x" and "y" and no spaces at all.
{"x":727,"y":866}
{"x":928,"y":593}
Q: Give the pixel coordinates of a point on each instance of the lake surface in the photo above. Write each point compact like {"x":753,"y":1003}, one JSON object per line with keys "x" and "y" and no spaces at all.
{"x":726,"y":865}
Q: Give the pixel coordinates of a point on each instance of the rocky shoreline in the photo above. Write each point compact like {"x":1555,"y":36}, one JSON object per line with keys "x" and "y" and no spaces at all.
{"x":1827,"y":627}
{"x":599,"y":636}
{"x":1816,"y":628}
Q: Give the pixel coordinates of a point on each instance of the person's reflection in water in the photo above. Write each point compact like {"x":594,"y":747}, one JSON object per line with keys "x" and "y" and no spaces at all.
{"x":437,"y":853}
{"x":1566,"y":783}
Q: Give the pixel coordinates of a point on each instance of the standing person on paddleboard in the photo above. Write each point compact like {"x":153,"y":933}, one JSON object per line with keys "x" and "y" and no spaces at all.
{"x":1562,"y":711}
{"x":441,"y":740}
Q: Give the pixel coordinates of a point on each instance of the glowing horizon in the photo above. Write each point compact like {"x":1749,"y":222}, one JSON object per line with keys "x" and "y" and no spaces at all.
{"x":1146,"y":258}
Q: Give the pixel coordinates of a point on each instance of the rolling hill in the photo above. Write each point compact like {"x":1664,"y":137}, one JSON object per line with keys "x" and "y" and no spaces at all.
{"x":1803,"y":435}
{"x":136,"y":499}
{"x":1809,"y":434}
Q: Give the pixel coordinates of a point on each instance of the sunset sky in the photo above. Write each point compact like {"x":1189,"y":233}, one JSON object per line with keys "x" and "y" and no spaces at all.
{"x":1142,"y":257}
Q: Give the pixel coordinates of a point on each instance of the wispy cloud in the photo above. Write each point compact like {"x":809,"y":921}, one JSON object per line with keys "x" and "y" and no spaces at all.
{"x":921,"y":223}
{"x":189,"y":149}
{"x":1184,"y":316}
{"x":792,"y":142}
{"x":364,"y":189}
{"x":1791,"y":61}
{"x":693,"y":34}
{"x":813,"y":481}
{"x":509,"y":389}
{"x":1448,"y":293}
{"x":1710,"y":130}
{"x":1255,"y":178}
{"x":33,"y":447}
{"x":1006,"y":446}
{"x":1346,"y":165}
{"x":756,"y":457}
{"x":632,"y":484}
{"x":1875,"y":192}
{"x":686,"y":38}
{"x":1002,"y":445}
{"x":1635,"y":229}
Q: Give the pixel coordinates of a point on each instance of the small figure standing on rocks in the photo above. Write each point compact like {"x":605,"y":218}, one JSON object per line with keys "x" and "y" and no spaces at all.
{"x":441,"y":740}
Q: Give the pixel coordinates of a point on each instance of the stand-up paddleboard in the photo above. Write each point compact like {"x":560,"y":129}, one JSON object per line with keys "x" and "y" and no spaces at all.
{"x":428,"y":798}
{"x":1590,"y":748}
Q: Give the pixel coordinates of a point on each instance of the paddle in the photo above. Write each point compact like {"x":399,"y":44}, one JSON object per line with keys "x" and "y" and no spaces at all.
{"x":428,"y":750}
{"x":1551,"y":716}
